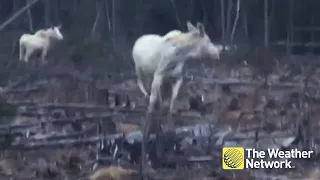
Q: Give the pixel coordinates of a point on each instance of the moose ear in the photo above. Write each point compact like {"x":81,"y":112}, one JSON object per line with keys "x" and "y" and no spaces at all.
{"x":190,"y":26}
{"x":201,"y":29}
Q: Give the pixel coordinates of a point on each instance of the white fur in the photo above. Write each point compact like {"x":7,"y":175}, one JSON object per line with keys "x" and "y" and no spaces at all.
{"x":42,"y":40}
{"x":57,"y":31}
{"x":163,"y":57}
{"x":172,"y":33}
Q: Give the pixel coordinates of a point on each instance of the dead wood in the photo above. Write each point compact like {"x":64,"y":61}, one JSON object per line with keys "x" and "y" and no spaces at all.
{"x":62,"y":121}
{"x":73,"y":106}
{"x":196,"y":131}
{"x":236,"y":82}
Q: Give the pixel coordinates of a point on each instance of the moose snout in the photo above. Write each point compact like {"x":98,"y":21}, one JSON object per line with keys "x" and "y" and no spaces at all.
{"x":216,"y":56}
{"x":214,"y":52}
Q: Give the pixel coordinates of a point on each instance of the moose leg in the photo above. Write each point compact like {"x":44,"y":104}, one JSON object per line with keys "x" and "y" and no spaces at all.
{"x":21,"y":52}
{"x":145,"y":168}
{"x":43,"y":55}
{"x":27,"y":54}
{"x":140,"y":80}
{"x":155,"y":91}
{"x":175,"y":91}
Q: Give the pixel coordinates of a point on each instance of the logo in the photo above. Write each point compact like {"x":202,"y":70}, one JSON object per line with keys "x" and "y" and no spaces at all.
{"x":233,"y":158}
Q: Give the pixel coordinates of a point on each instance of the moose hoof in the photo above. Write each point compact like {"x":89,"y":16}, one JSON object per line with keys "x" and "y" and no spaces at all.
{"x":146,"y":98}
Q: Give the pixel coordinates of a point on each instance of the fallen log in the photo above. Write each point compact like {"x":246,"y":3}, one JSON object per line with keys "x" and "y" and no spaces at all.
{"x":32,"y":128}
{"x":123,"y":107}
{"x":26,"y":90}
{"x":220,"y":134}
{"x":56,"y":105}
{"x":72,"y":135}
{"x":62,"y":121}
{"x":237,"y":82}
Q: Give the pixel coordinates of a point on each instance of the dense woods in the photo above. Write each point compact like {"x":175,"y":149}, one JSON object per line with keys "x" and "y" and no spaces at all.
{"x":118,"y":23}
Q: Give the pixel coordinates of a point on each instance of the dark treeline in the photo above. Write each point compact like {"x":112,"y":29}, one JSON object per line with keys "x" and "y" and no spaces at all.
{"x":120,"y":22}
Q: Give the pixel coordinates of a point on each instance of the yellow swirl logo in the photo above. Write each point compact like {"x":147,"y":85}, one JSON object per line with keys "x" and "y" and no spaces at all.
{"x":233,"y":158}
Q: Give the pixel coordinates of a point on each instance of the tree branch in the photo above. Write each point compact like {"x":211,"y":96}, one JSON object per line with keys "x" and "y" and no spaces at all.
{"x":17,"y":14}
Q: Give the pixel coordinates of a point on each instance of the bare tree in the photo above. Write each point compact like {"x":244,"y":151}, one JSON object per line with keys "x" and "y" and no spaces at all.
{"x":235,"y":22}
{"x":244,"y":17}
{"x":223,"y":25}
{"x":47,"y":12}
{"x":107,"y":15}
{"x":17,"y":14}
{"x":229,"y":15}
{"x":30,"y":17}
{"x":266,"y":24}
{"x":289,"y":30}
{"x":55,"y":8}
{"x":99,"y":9}
{"x":114,"y":6}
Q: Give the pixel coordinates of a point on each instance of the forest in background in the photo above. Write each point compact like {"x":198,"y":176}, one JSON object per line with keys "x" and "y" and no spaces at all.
{"x":104,"y":27}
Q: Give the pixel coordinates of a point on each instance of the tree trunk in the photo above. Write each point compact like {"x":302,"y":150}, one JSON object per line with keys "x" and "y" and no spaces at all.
{"x":244,"y":17}
{"x":139,"y":17}
{"x":266,"y":24}
{"x":107,"y":15}
{"x":96,"y":21}
{"x":223,"y":25}
{"x":114,"y":35}
{"x":46,"y":13}
{"x":30,"y":20}
{"x":289,"y":30}
{"x":235,"y":21}
{"x":14,"y":9}
{"x":229,"y":15}
{"x":55,"y":5}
